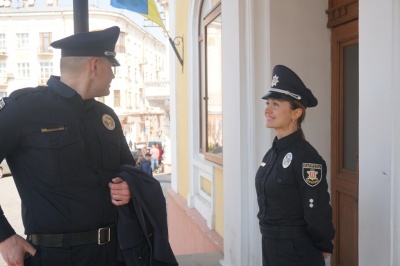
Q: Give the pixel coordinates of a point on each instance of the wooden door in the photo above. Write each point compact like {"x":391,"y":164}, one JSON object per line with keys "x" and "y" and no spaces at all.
{"x":344,"y":164}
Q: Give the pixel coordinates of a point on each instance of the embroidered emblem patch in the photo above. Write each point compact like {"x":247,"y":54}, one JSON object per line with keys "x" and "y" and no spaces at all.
{"x":312,"y":173}
{"x":287,"y":160}
{"x":108,"y":122}
{"x":2,"y":103}
{"x":274,"y":80}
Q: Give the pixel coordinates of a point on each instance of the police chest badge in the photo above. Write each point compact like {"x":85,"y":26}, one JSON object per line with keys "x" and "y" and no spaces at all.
{"x":108,"y":122}
{"x":312,"y":173}
{"x":287,"y":160}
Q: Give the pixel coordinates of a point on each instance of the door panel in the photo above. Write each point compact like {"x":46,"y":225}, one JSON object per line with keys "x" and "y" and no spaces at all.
{"x":344,"y":187}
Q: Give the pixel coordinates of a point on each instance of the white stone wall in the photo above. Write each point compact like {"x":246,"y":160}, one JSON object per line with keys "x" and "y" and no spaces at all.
{"x":379,"y":186}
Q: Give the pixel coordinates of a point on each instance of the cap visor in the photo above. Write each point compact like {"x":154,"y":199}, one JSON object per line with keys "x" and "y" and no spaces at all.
{"x":277,"y":95}
{"x":113,"y":61}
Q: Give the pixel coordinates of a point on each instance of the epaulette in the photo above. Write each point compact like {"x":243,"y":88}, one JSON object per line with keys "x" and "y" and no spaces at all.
{"x":17,"y":93}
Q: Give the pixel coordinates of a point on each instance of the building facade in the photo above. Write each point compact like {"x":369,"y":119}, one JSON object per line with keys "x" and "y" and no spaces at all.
{"x":139,"y":94}
{"x":348,"y":53}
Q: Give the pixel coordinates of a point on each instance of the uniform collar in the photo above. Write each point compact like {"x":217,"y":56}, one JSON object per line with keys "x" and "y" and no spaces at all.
{"x":60,"y":88}
{"x":284,"y":142}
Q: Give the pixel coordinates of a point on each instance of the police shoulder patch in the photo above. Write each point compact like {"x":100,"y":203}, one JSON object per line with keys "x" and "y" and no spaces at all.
{"x":2,"y":103}
{"x":312,"y":173}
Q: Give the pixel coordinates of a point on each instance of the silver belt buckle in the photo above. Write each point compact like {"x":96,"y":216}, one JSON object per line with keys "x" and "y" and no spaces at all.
{"x":99,"y":235}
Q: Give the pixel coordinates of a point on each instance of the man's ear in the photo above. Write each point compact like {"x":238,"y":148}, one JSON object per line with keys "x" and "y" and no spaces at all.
{"x":94,"y":62}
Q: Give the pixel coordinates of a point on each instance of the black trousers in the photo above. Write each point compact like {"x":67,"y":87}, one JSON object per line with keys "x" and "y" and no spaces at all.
{"x":84,"y":255}
{"x":298,"y":251}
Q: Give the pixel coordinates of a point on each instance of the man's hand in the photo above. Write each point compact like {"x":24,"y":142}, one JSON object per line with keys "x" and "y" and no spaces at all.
{"x":326,"y":255}
{"x":119,"y":191}
{"x":13,"y":250}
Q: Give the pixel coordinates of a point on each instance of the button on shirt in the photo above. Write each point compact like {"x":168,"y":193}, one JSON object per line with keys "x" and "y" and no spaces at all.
{"x":63,"y":151}
{"x":292,"y":189}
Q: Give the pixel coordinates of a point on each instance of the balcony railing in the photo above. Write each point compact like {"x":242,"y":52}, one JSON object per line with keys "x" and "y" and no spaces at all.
{"x":157,"y":89}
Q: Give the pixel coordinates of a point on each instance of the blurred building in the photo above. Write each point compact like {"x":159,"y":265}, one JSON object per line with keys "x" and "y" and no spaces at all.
{"x":139,"y":94}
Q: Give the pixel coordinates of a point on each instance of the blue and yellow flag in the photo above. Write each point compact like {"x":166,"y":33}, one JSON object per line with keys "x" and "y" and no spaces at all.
{"x":146,"y":8}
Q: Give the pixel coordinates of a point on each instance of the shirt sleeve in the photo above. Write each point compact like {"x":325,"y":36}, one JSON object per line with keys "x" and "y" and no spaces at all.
{"x":11,"y":117}
{"x":5,"y":228}
{"x":311,"y":172}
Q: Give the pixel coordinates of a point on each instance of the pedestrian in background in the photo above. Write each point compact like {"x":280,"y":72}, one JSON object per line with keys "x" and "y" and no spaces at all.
{"x":160,"y":153}
{"x":144,"y":150}
{"x":154,"y":157}
{"x":145,"y":164}
{"x":295,"y":214}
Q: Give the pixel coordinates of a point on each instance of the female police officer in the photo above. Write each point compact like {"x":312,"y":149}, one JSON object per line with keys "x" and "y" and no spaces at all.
{"x":294,"y":211}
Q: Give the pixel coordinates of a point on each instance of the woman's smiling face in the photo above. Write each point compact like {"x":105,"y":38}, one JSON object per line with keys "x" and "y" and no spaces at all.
{"x":280,"y":116}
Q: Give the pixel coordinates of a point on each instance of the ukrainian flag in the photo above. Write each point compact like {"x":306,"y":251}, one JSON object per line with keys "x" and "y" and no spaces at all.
{"x":146,"y":8}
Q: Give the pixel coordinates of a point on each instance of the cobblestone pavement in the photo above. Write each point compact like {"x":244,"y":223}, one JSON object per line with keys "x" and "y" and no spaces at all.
{"x":11,"y":203}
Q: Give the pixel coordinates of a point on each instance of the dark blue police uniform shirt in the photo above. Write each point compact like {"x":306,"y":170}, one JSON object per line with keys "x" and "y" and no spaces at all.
{"x":292,"y":189}
{"x":63,"y":151}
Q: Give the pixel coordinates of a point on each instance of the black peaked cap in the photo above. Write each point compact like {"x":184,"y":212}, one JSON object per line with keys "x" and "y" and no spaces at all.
{"x":286,"y":85}
{"x":93,"y":43}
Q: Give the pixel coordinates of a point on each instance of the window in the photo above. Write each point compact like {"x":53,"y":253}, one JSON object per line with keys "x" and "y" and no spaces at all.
{"x":3,"y":46}
{"x":101,"y":99}
{"x":117,"y":98}
{"x":46,"y":69}
{"x":117,"y":71}
{"x":22,"y":40}
{"x":23,"y":70}
{"x":120,"y":45}
{"x":45,"y":40}
{"x":3,"y":73}
{"x":210,"y":91}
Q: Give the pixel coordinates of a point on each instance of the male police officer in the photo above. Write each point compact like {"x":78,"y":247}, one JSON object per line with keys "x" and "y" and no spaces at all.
{"x":64,"y":149}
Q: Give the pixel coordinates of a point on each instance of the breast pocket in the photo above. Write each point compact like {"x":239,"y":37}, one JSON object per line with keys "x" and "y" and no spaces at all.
{"x":111,"y":145}
{"x":51,"y":149}
{"x":279,"y":182}
{"x":283,"y":177}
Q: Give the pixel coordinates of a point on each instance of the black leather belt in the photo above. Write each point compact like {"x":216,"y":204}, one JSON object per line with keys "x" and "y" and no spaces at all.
{"x":281,"y":232}
{"x":99,"y":236}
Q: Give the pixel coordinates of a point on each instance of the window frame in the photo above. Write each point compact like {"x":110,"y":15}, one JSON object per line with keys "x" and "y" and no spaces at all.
{"x":210,"y":17}
{"x":45,"y":39}
{"x":3,"y":42}
{"x":23,"y":70}
{"x":22,"y":41}
{"x":46,"y":70}
{"x":117,"y":98}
